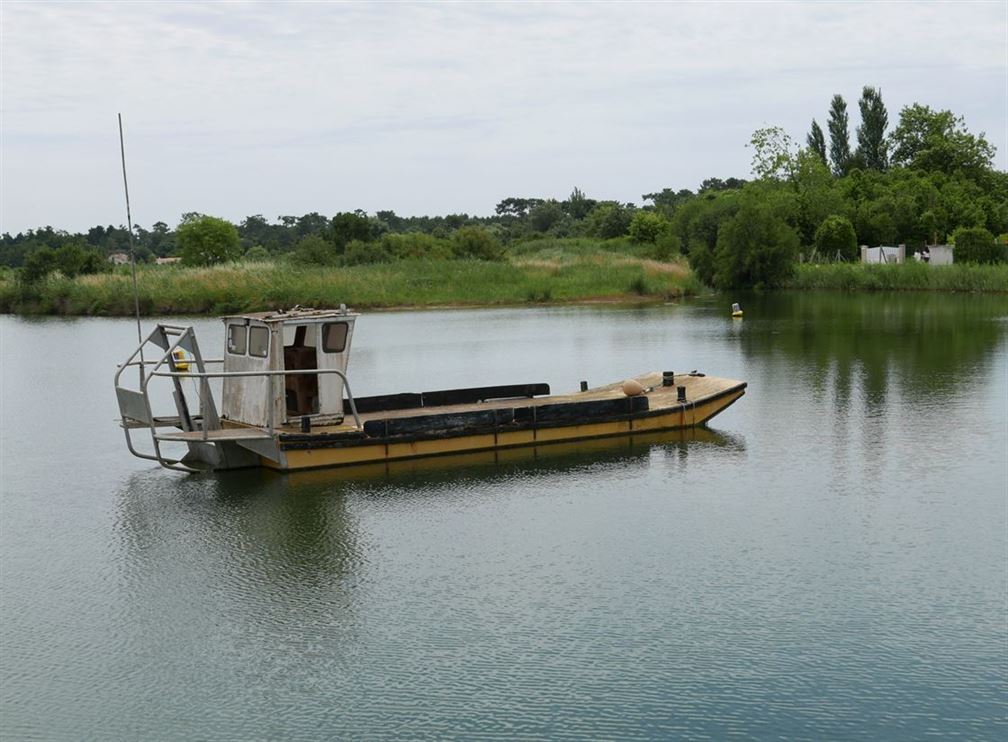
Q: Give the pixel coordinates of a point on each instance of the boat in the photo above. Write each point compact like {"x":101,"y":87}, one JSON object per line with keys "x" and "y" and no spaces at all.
{"x":285,"y":402}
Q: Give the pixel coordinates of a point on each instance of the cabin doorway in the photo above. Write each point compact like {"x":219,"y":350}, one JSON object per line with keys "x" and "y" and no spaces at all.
{"x":301,"y":354}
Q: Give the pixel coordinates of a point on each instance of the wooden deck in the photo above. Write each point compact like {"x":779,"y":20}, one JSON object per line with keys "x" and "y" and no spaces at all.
{"x":698,"y":388}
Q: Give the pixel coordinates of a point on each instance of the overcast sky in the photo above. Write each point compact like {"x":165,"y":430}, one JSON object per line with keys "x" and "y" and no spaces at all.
{"x":235,"y":109}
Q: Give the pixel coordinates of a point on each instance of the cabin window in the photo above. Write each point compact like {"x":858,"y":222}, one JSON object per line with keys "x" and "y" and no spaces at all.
{"x":236,"y":339}
{"x":259,"y":341}
{"x":334,"y":337}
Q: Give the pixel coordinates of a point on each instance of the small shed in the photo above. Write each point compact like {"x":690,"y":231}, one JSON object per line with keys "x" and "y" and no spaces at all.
{"x":295,"y":340}
{"x":937,"y":254}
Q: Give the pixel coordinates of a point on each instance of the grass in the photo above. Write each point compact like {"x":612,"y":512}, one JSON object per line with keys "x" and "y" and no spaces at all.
{"x":560,"y":271}
{"x":909,"y":276}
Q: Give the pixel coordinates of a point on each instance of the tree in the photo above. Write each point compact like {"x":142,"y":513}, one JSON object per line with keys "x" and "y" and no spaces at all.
{"x":773,"y":153}
{"x":518,"y":207}
{"x":609,"y":219}
{"x":817,"y":142}
{"x":38,"y":264}
{"x":578,"y":205}
{"x":815,"y":196}
{"x":977,"y":245}
{"x":667,"y":200}
{"x":755,"y":248}
{"x":938,"y":141}
{"x":717,"y":184}
{"x":647,"y":227}
{"x":207,"y":240}
{"x":835,"y":237}
{"x":349,"y":225}
{"x":873,"y":149}
{"x":840,"y":152}
{"x":543,"y":216}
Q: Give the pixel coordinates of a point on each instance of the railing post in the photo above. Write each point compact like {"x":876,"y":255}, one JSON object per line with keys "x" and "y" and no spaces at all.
{"x":269,"y":403}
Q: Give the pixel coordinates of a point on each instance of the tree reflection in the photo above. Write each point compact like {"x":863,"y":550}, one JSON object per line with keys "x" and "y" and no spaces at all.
{"x":927,"y":344}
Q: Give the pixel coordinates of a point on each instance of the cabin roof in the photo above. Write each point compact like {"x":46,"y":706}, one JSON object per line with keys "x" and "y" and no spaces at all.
{"x":297,"y":314}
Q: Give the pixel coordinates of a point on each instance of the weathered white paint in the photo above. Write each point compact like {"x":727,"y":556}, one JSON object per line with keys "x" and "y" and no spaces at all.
{"x":248,"y":399}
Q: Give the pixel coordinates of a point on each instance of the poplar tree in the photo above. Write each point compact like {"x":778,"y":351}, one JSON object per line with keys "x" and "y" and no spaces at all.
{"x":840,"y":152}
{"x":873,"y":148}
{"x":817,"y":142}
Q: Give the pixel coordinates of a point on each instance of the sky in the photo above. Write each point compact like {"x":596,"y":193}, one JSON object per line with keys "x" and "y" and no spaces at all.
{"x":241,"y":108}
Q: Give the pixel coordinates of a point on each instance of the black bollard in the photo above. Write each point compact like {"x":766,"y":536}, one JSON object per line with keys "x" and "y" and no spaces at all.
{"x":305,"y":424}
{"x":668,"y":378}
{"x":681,"y":393}
{"x":584,"y":386}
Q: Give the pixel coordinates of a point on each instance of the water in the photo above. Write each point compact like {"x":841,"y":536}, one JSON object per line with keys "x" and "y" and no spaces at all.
{"x":828,"y":562}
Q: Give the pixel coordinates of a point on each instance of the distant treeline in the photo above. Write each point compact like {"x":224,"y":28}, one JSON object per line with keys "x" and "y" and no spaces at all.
{"x":927,"y":181}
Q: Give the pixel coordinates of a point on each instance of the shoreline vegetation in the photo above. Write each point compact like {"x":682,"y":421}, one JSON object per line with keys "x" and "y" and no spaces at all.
{"x":562,"y":271}
{"x":798,"y":224}
{"x":579,"y":272}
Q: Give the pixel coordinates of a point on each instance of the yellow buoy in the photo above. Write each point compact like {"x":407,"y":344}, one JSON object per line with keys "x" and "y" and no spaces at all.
{"x":736,"y":311}
{"x":181,"y":362}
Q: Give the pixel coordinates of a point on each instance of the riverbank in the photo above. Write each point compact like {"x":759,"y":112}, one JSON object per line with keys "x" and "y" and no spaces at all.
{"x":244,"y":287}
{"x":546,"y":271}
{"x":909,"y":276}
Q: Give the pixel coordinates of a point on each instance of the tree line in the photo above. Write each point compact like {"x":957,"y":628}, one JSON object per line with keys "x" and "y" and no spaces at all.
{"x":927,"y":181}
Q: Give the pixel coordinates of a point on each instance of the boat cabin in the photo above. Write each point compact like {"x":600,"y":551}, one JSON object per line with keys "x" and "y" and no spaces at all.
{"x":301,"y":340}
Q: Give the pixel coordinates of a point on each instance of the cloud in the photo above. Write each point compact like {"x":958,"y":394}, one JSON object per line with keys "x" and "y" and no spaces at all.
{"x":288,"y":108}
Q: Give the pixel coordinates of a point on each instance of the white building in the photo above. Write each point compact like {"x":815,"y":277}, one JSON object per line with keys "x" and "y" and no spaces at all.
{"x":883,"y":254}
{"x":936,"y":254}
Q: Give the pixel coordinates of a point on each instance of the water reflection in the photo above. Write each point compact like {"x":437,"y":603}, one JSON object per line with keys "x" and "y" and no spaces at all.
{"x":297,"y":531}
{"x":919,"y":344}
{"x":553,"y":458}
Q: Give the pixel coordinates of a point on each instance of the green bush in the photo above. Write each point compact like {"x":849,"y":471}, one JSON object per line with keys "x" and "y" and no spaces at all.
{"x":647,"y":227}
{"x":314,"y":250}
{"x":476,"y":242}
{"x":836,"y":237}
{"x":256,"y":254}
{"x":667,"y":246}
{"x":977,"y":245}
{"x":416,"y":245}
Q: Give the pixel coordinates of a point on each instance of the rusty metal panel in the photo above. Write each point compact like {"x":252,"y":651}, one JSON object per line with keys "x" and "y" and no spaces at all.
{"x":244,"y":398}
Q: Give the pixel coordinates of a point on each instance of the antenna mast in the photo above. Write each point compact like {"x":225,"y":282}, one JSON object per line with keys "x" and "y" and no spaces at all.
{"x":129,"y":223}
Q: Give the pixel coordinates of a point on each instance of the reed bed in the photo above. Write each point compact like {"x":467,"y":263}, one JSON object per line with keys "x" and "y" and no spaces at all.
{"x":910,"y":276}
{"x":246,"y":287}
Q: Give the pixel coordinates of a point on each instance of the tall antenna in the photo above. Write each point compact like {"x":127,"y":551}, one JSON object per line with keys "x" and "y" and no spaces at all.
{"x":129,"y":223}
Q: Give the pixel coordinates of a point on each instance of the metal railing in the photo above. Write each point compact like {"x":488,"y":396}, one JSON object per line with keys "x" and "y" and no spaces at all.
{"x":174,"y":337}
{"x":270,"y":425}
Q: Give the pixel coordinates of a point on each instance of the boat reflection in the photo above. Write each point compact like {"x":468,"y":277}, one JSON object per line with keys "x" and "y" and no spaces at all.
{"x":296,"y":538}
{"x":555,"y":457}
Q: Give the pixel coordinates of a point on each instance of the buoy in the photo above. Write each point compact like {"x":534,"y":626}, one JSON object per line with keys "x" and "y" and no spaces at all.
{"x":736,"y":310}
{"x":633,"y":388}
{"x":181,"y":362}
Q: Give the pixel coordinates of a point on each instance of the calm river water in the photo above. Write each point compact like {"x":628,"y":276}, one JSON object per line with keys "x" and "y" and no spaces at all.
{"x":827,"y":562}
